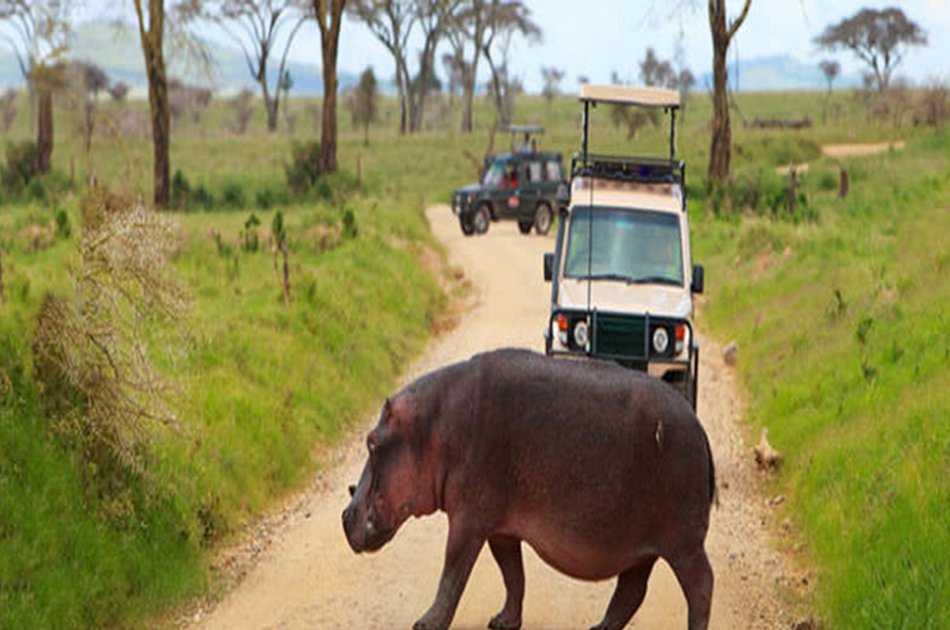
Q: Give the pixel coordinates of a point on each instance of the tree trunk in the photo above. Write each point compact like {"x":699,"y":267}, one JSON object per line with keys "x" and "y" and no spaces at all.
{"x":161,"y":125}
{"x":44,"y":128}
{"x":329,"y":18}
{"x":157,"y":94}
{"x":720,"y":152}
{"x":271,"y":105}
{"x":468,"y":97}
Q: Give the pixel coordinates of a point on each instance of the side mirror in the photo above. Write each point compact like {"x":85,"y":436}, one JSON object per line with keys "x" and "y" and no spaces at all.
{"x":563,"y":196}
{"x":548,"y":266}
{"x":697,"y":286}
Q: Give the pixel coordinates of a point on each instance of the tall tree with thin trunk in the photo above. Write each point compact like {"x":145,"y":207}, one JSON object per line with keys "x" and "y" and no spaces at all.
{"x":256,"y":25}
{"x":391,"y":22}
{"x":722,"y":30}
{"x":434,"y":18}
{"x":878,"y":38}
{"x":151,"y":23}
{"x":329,"y":15}
{"x":466,"y":31}
{"x":504,"y":20}
{"x":37,"y":32}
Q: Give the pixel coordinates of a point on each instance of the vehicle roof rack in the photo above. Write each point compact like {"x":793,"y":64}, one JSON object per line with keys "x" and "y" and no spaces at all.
{"x":640,"y":170}
{"x":628,"y":95}
{"x":529,"y":144}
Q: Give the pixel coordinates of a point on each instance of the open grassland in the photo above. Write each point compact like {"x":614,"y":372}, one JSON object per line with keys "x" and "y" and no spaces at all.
{"x":839,"y":310}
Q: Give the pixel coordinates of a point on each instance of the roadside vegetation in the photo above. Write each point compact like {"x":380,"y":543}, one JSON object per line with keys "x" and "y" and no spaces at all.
{"x":838,"y":307}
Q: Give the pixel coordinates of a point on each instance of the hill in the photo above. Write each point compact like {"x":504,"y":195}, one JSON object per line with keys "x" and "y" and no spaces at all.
{"x":116,"y":50}
{"x":779,"y":73}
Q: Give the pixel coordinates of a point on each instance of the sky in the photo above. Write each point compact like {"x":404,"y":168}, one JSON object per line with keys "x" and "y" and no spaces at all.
{"x":593,"y":38}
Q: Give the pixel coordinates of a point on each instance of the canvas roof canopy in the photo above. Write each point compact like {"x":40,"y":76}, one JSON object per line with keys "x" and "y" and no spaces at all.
{"x":628,"y":95}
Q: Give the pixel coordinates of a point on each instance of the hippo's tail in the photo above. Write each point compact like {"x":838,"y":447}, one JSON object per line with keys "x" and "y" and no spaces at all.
{"x":713,"y":492}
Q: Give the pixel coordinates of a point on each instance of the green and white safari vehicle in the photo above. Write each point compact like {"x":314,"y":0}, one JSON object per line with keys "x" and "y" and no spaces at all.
{"x":621,"y":273}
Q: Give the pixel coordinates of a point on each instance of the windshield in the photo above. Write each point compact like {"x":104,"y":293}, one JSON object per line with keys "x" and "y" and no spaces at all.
{"x":494,"y":174}
{"x":624,"y":244}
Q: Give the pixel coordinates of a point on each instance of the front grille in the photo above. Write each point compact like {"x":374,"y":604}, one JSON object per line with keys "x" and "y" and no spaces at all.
{"x":619,"y":336}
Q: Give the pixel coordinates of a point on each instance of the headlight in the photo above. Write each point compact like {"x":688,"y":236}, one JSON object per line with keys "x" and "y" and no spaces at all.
{"x":661,"y":340}
{"x":580,"y":333}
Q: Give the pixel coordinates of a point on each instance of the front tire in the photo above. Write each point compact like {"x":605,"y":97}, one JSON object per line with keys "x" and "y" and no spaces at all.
{"x":481,"y":219}
{"x":542,"y":219}
{"x":466,"y":224}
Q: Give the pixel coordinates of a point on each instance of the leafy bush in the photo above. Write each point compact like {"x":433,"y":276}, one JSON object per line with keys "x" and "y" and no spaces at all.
{"x":181,"y":191}
{"x":303,"y":170}
{"x":20,"y":168}
{"x":63,"y":228}
{"x":232,"y":195}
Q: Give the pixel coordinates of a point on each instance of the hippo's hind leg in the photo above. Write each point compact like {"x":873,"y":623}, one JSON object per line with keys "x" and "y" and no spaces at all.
{"x":631,"y":588}
{"x":696,"y":579}
{"x":507,"y":553}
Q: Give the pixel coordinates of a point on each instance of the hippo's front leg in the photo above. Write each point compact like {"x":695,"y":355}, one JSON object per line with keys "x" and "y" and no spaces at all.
{"x":461,"y":551}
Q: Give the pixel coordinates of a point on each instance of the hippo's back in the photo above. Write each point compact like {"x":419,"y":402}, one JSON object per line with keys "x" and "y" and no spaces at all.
{"x":600,"y":451}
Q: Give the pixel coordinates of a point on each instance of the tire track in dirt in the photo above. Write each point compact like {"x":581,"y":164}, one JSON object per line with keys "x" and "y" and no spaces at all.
{"x":307,"y":577}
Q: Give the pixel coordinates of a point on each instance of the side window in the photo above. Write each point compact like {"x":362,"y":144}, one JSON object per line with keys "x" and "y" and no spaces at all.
{"x":553,"y":171}
{"x":535,"y":171}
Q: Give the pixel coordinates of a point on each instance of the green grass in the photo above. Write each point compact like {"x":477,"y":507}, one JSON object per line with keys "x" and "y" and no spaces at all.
{"x":846,"y":359}
{"x":859,"y":409}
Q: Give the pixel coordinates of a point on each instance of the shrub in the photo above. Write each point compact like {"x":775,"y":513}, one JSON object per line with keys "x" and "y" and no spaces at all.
{"x":202,"y":197}
{"x":181,"y":191}
{"x":20,"y":168}
{"x":97,"y":383}
{"x":63,"y":228}
{"x":303,"y":170}
{"x":232,"y":195}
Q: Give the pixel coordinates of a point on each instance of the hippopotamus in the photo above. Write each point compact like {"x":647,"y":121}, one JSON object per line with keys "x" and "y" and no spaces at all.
{"x":602,"y":470}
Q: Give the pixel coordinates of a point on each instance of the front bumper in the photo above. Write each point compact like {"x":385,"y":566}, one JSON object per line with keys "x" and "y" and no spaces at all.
{"x":622,"y":337}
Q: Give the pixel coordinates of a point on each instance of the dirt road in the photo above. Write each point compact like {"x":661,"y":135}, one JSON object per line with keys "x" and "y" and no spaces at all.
{"x":308,"y":577}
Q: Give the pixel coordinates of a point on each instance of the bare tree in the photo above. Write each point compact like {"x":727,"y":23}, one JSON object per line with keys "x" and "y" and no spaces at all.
{"x":391,"y":22}
{"x":722,"y":30}
{"x":467,"y":31}
{"x":878,"y":38}
{"x":552,"y":83}
{"x":256,"y":25}
{"x":329,"y":15}
{"x":831,"y":70}
{"x":434,"y":18}
{"x":37,"y":32}
{"x":656,"y":72}
{"x":505,"y":19}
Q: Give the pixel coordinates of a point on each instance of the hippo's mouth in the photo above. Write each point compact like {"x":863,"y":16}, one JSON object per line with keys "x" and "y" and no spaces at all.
{"x":369,"y":538}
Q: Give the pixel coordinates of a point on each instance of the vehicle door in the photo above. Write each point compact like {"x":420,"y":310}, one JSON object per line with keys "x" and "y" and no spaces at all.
{"x":509,"y":202}
{"x":532,"y":191}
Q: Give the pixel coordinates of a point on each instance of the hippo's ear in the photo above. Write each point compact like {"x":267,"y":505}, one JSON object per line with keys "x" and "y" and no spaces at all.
{"x":387,"y":411}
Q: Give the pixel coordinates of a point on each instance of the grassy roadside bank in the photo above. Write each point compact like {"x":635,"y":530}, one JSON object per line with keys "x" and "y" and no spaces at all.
{"x":260,"y":383}
{"x":843,"y":328}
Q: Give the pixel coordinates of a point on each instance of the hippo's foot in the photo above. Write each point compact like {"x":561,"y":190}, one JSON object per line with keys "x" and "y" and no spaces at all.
{"x":422,"y":624}
{"x":503,"y":621}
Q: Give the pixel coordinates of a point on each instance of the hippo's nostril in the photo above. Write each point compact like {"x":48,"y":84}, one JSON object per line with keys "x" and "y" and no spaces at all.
{"x":352,"y":490}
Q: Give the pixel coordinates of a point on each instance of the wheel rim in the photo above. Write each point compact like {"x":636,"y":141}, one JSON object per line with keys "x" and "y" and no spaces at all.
{"x":543,"y":219}
{"x":480,"y":221}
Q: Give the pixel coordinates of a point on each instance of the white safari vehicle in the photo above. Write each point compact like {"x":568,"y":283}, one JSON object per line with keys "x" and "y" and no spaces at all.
{"x":622,"y":277}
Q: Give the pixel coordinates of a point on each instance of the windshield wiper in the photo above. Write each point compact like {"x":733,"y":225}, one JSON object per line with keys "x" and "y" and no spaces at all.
{"x":654,"y":280}
{"x":610,"y":276}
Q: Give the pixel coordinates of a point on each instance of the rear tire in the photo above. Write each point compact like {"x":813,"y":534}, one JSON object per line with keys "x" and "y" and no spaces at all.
{"x":542,"y":219}
{"x":481,"y":219}
{"x":525,"y":228}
